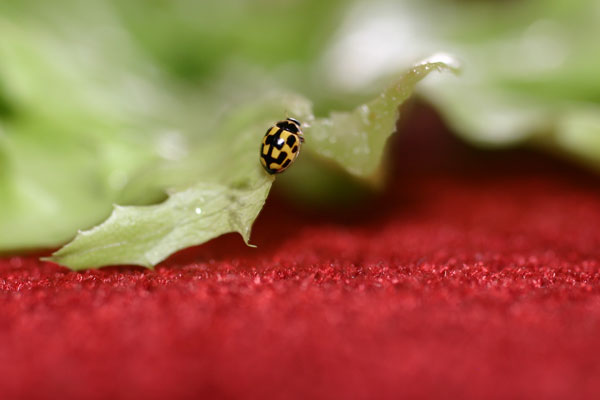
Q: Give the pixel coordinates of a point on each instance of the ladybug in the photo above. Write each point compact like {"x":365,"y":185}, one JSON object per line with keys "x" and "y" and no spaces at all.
{"x":281,"y":145}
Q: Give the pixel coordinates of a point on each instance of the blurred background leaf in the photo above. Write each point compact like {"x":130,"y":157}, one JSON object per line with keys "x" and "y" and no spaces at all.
{"x":111,"y":101}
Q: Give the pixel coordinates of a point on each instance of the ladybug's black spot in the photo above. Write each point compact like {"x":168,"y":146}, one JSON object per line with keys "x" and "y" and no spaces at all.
{"x":291,"y":140}
{"x":286,"y":163}
{"x":293,"y":128}
{"x":288,"y":126}
{"x":274,"y":140}
{"x":282,"y":156}
{"x":294,"y":149}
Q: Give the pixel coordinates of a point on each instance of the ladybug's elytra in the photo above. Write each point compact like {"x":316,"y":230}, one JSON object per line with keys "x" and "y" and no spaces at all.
{"x":281,"y":145}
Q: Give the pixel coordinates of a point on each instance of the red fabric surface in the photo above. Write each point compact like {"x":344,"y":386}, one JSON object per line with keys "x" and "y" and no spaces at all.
{"x":475,"y":275}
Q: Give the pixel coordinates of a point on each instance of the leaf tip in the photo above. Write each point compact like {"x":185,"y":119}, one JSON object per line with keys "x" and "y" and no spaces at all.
{"x":56,"y":259}
{"x":443,"y":61}
{"x":48,"y":259}
{"x":246,"y":238}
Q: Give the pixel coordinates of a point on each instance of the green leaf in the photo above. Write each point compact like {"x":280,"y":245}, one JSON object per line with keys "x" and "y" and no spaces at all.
{"x":531,"y":75}
{"x":101,"y":101}
{"x":231,"y":186}
{"x":355,"y":140}
{"x":146,"y":235}
{"x":95,"y":97}
{"x":578,"y":132}
{"x":530,"y":67}
{"x":75,"y":128}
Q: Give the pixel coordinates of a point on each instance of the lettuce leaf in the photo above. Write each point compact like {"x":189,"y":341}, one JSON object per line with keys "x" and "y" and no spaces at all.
{"x":231,"y":186}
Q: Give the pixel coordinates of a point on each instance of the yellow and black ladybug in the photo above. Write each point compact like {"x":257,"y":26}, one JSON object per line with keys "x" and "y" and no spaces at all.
{"x":281,"y":145}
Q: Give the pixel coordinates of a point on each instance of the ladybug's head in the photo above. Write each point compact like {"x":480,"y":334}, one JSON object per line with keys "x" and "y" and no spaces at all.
{"x":290,"y":125}
{"x":294,"y":121}
{"x":294,"y":126}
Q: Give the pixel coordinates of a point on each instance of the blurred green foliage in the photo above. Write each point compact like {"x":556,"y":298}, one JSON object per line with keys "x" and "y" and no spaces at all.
{"x":118,"y":101}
